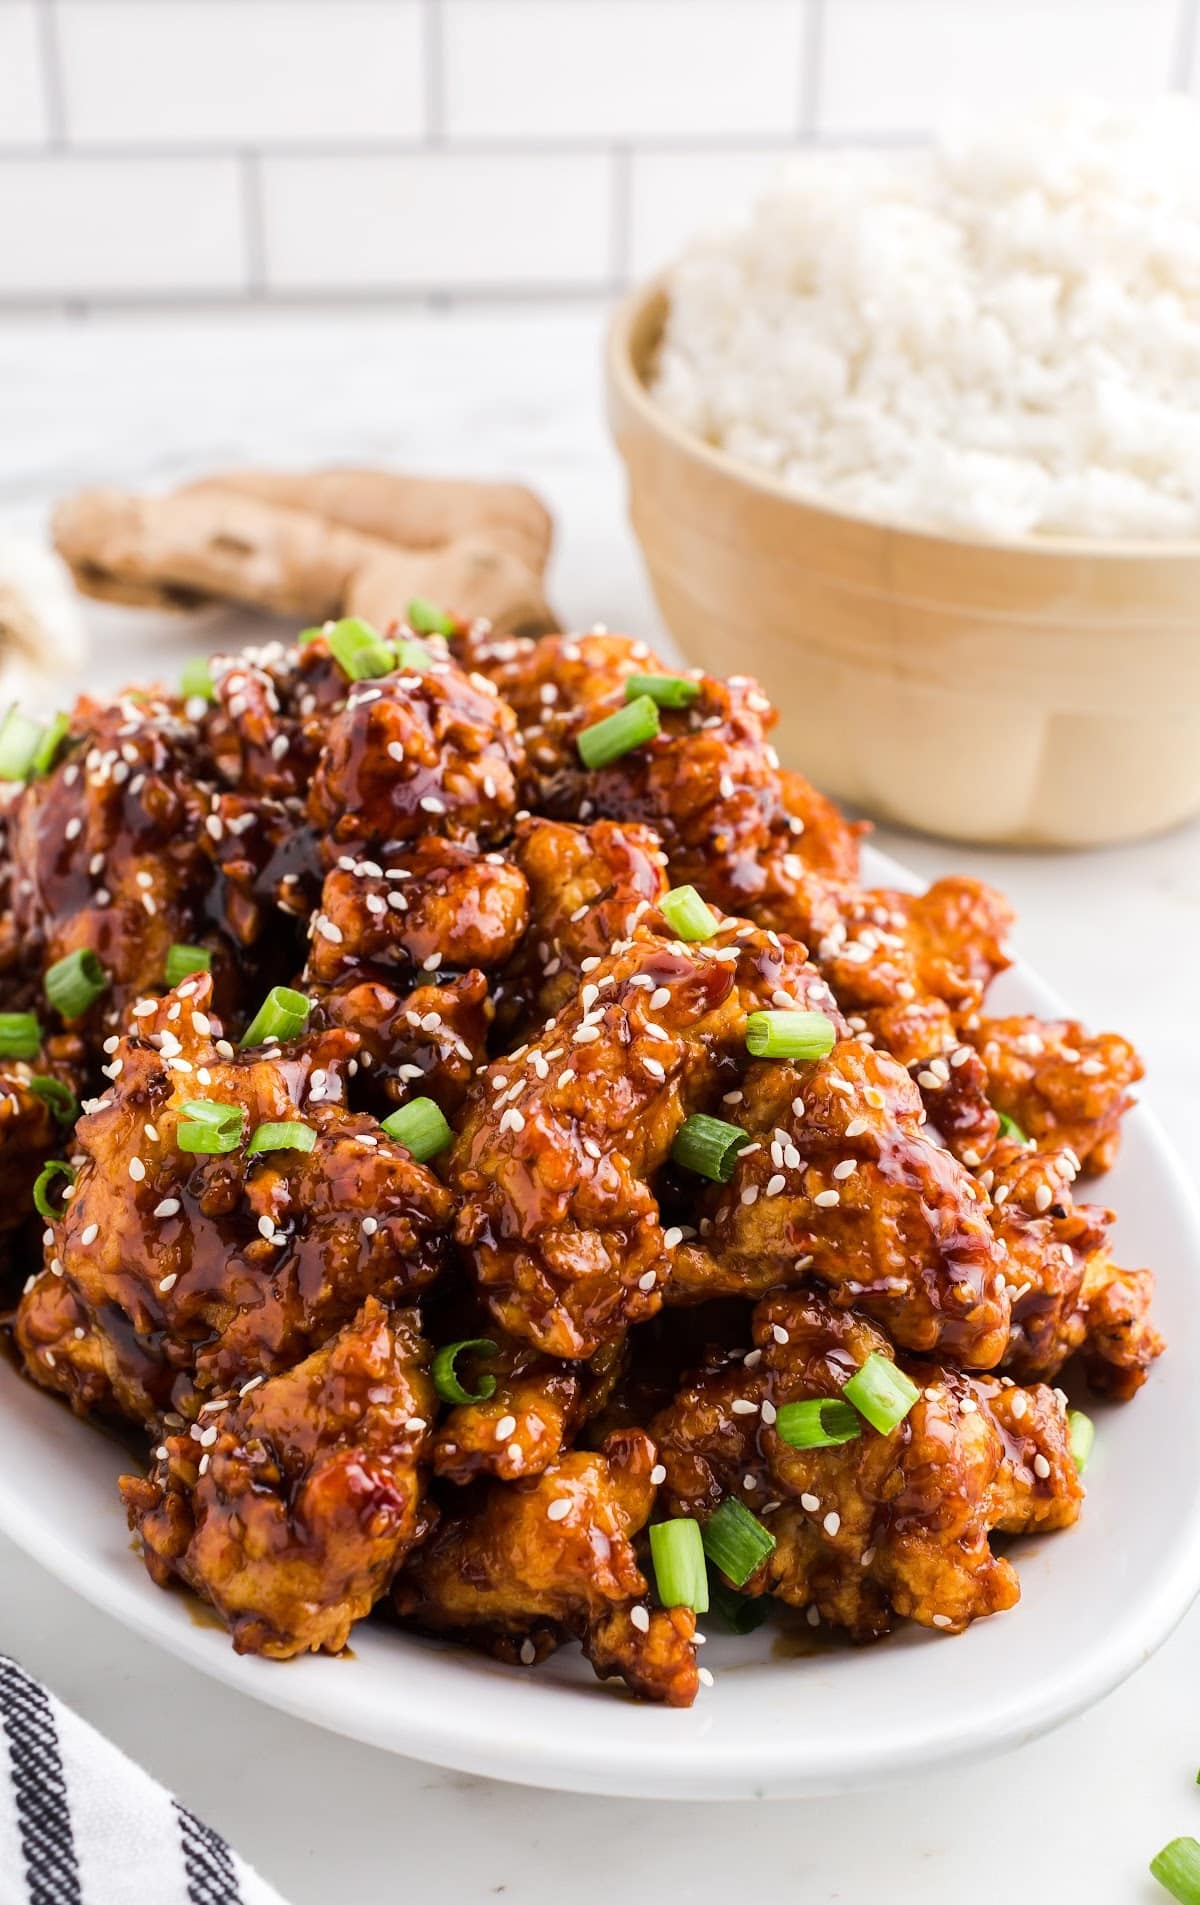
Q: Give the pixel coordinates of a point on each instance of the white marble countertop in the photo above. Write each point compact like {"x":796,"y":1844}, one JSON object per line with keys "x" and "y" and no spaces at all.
{"x":1071,"y":1818}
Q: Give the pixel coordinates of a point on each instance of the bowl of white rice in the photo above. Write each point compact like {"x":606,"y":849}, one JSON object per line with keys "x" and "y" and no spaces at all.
{"x":918,"y":442}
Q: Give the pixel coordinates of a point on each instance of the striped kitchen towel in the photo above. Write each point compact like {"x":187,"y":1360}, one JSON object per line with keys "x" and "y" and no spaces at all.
{"x":82,"y":1825}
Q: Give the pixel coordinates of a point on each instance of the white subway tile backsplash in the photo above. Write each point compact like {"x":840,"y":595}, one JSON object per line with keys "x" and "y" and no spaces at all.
{"x":437,"y":220}
{"x":22,"y":93}
{"x":249,"y":71}
{"x":675,"y":195}
{"x":78,"y":227}
{"x":905,"y":65}
{"x":594,"y":69}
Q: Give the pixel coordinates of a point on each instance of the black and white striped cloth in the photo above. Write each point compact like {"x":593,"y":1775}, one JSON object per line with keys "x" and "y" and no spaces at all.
{"x":82,"y":1825}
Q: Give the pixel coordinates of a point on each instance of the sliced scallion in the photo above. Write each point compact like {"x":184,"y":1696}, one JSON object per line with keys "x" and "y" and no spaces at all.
{"x":210,"y":1128}
{"x":308,"y":635}
{"x":740,"y":1613}
{"x":708,"y":1146}
{"x":606,"y":741}
{"x":75,"y":983}
{"x":823,"y":1423}
{"x":183,"y":960}
{"x":446,"y":1379}
{"x":669,"y":691}
{"x":196,"y":683}
{"x":881,"y":1393}
{"x":412,"y":655}
{"x":288,"y":1136}
{"x":19,"y":738}
{"x":46,"y":752}
{"x":1177,"y":1869}
{"x":1081,"y":1433}
{"x":680,"y":1575}
{"x":686,"y":914}
{"x":20,"y":1035}
{"x":420,"y":1127}
{"x":1009,"y":1128}
{"x":360,"y":650}
{"x":41,"y":1190}
{"x":736,"y":1541}
{"x":283,"y":1014}
{"x":796,"y":1035}
{"x":61,"y":1099}
{"x":427,"y":618}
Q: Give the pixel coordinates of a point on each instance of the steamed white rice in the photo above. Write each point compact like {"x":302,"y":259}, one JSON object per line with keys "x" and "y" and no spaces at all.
{"x":999,"y":338}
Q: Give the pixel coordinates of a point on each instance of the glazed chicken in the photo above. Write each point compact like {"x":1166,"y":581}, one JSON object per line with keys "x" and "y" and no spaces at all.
{"x":473,"y":1162}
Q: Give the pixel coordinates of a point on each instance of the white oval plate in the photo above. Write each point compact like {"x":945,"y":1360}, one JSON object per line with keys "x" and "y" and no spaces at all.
{"x":1096,"y":1601}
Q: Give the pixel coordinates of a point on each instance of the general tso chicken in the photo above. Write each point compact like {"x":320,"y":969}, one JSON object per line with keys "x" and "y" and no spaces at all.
{"x":462,"y":1112}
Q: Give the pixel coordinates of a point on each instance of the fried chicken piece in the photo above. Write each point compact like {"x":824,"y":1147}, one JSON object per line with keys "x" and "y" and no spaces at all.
{"x":289,"y":1505}
{"x":883,"y":1525}
{"x":428,"y":1042}
{"x":588,"y":887}
{"x":545,"y":680}
{"x":540,"y":1561}
{"x":880,"y":947}
{"x":1061,"y":1084}
{"x":29,"y":1133}
{"x":824,"y":840}
{"x":437,"y":905}
{"x":267,"y":725}
{"x":414,"y":754}
{"x":552,"y":1160}
{"x":538,"y":1402}
{"x":1066,"y":1292}
{"x":839,"y":1184}
{"x":107,"y":852}
{"x":950,"y":1076}
{"x":199,"y":1272}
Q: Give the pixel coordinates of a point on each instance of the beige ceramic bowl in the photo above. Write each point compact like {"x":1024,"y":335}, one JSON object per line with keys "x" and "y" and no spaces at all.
{"x":1039,"y":693}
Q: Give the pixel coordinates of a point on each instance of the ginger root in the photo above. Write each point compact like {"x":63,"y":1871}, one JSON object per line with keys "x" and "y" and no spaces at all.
{"x":316,"y":545}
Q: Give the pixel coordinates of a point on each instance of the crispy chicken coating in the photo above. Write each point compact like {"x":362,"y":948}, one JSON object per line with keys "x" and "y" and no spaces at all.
{"x":950,"y":1076}
{"x":541,"y":1561}
{"x":417,"y":753}
{"x":588,"y":887}
{"x":437,"y":904}
{"x":883,"y":1525}
{"x":559,"y":1139}
{"x":536,"y":1408}
{"x":839,"y":1184}
{"x":289,"y":1504}
{"x":1067,"y":1294}
{"x":1061,"y":1084}
{"x":428,"y":1042}
{"x":196,"y":1273}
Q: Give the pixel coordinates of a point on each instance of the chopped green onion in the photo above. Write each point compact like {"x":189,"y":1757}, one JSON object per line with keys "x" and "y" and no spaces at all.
{"x":736,"y":1541}
{"x":41,"y":1194}
{"x":686,"y":914}
{"x":427,"y":618}
{"x":214,"y":1128}
{"x":420,"y":1127}
{"x":283,"y":1014}
{"x":677,"y":1551}
{"x":631,"y":726}
{"x":800,"y":1035}
{"x":1177,"y":1869}
{"x":76,"y":982}
{"x":291,"y":1136}
{"x":1081,"y":1433}
{"x":308,"y":635}
{"x":183,"y":960}
{"x":445,"y":1377}
{"x":668,"y":691}
{"x":881,"y":1392}
{"x":196,"y":683}
{"x":1009,"y":1128}
{"x":60,"y":1098}
{"x":709,"y":1146}
{"x":46,"y":752}
{"x":741,"y":1613}
{"x":360,"y":650}
{"x":821,"y":1424}
{"x":412,"y":655}
{"x":19,"y":738}
{"x":20,"y":1035}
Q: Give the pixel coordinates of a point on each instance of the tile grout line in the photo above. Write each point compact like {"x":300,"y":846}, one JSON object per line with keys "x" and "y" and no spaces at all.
{"x":1184,"y":49}
{"x":621,"y":212}
{"x":50,"y":62}
{"x":812,"y":46}
{"x":434,"y":55}
{"x":254,"y":228}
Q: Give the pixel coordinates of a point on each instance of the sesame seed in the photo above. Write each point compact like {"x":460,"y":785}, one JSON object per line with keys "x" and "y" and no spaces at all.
{"x":1041,"y":1467}
{"x":640,"y":1619}
{"x":166,"y":1207}
{"x":704,"y":1677}
{"x":775,"y":1184}
{"x":846,"y":1168}
{"x":1043,"y":1197}
{"x":432,"y":804}
{"x":137,"y":1170}
{"x":266,"y":1227}
{"x":658,"y":1475}
{"x":942,"y":1620}
{"x":89,"y":1234}
{"x":505,"y":1427}
{"x":827,"y":1199}
{"x":832,"y":1522}
{"x":779,"y":1333}
{"x":742,"y":1406}
{"x":811,"y":1503}
{"x":528,"y":1653}
{"x":1020,"y":1405}
{"x":369,"y":1226}
{"x":559,"y":1509}
{"x":672,"y":1237}
{"x":856,"y":1127}
{"x":168,"y":1282}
